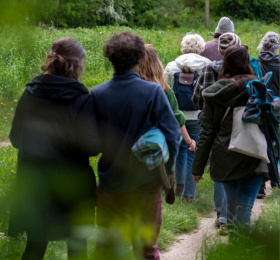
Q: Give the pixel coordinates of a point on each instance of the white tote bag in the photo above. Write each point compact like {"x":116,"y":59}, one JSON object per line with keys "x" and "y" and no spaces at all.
{"x":247,"y":138}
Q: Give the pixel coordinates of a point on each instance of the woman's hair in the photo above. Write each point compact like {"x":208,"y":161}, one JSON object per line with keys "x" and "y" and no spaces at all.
{"x":150,"y":67}
{"x":65,"y":59}
{"x":192,"y":43}
{"x":124,"y":51}
{"x":270,"y":42}
{"x":236,"y":62}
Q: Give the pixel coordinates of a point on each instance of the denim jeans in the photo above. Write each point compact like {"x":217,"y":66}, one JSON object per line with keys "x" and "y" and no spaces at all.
{"x":184,"y":160}
{"x":220,"y":200}
{"x":240,"y":198}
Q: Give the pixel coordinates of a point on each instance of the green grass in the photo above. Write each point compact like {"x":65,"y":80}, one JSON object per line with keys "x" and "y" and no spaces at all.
{"x":182,"y":217}
{"x":179,"y":218}
{"x":23,"y":49}
{"x":262,"y":242}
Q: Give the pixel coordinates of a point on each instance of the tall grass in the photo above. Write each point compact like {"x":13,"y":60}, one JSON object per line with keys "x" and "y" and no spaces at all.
{"x":23,"y":49}
{"x":262,"y":243}
{"x":179,"y":218}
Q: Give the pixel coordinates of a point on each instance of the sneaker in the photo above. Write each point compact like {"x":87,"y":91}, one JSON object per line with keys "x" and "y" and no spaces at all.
{"x":179,"y":189}
{"x":261,"y":193}
{"x":223,"y":230}
{"x":189,"y":199}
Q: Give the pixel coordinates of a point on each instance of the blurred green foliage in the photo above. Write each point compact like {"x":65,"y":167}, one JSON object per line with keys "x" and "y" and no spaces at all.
{"x":133,"y":13}
{"x":262,"y":243}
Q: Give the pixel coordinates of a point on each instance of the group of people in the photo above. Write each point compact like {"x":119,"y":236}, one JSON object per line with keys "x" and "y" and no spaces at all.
{"x":58,"y":125}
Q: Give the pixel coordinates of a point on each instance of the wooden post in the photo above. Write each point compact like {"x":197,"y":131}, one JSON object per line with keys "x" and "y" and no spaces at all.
{"x":206,"y":13}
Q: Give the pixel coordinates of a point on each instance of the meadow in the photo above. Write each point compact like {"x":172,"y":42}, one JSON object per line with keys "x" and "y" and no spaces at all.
{"x":22,"y":52}
{"x":23,"y":49}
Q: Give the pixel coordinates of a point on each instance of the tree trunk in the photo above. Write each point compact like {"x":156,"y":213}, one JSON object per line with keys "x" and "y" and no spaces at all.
{"x":206,"y":13}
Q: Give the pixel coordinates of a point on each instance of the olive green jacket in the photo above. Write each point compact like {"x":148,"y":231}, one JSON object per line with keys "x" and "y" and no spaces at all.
{"x":175,"y":108}
{"x":225,"y":166}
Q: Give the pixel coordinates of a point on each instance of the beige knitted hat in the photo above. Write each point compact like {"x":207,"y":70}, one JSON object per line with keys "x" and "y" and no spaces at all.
{"x":226,"y":40}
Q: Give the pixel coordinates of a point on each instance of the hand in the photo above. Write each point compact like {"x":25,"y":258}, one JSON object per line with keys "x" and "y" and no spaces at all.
{"x":192,"y":146}
{"x":197,"y":178}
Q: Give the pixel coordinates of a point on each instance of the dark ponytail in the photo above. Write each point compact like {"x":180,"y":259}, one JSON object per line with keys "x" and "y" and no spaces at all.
{"x":65,"y":59}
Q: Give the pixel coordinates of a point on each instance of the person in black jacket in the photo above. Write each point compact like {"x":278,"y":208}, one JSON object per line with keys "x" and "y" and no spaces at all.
{"x":54,"y":131}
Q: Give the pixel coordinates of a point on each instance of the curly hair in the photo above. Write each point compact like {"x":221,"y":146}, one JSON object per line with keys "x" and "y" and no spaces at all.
{"x":236,"y":62}
{"x":270,"y":42}
{"x":192,"y":43}
{"x":151,"y":69}
{"x":65,"y":59}
{"x":124,"y":51}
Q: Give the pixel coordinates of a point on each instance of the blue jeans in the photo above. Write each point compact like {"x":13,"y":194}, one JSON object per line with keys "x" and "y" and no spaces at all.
{"x":240,"y":198}
{"x":184,"y":160}
{"x":220,"y":200}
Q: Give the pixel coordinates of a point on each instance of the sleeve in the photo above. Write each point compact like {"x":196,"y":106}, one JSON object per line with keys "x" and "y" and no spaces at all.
{"x":205,"y":140}
{"x":206,"y":79}
{"x":175,"y":108}
{"x":87,"y":134}
{"x":197,"y":98}
{"x":167,"y":123}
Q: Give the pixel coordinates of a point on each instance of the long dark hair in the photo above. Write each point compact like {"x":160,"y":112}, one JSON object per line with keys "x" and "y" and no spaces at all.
{"x":236,"y":62}
{"x":65,"y":59}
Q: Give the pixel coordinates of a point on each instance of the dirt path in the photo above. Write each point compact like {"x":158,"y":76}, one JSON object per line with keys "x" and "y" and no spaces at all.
{"x":3,"y":144}
{"x":187,"y":246}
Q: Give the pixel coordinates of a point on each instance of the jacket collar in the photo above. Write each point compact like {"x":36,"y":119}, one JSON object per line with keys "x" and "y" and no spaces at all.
{"x":125,"y":75}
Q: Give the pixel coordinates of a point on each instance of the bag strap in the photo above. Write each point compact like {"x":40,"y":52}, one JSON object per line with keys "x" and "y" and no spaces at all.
{"x":269,"y":79}
{"x":226,"y":113}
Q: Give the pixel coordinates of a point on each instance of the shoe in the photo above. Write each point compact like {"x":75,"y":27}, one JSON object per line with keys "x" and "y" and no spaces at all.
{"x":170,"y":193}
{"x":261,"y":193}
{"x":189,"y":199}
{"x":217,"y":223}
{"x":179,"y":189}
{"x":223,"y":229}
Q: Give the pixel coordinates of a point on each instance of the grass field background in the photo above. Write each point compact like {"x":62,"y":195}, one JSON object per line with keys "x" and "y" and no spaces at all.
{"x":23,"y":50}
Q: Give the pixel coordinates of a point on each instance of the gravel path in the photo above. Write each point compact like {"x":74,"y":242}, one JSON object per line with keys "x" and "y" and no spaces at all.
{"x":2,"y":144}
{"x":187,"y":246}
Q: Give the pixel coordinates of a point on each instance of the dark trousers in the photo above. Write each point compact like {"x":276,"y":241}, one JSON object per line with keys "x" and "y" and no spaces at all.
{"x":139,"y":212}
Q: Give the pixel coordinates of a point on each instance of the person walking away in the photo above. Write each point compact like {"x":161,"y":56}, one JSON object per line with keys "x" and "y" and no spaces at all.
{"x":211,"y":51}
{"x":151,"y":69}
{"x":210,"y":74}
{"x":55,"y":132}
{"x":190,"y":61}
{"x":127,"y":107}
{"x":269,"y":61}
{"x":241,"y":175}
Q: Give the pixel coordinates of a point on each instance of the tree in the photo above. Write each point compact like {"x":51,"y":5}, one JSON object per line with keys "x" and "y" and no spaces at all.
{"x":206,"y":13}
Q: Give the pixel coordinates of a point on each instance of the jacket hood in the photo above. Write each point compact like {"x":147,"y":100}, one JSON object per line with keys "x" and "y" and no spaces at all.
{"x":227,"y":93}
{"x":217,"y":66}
{"x":55,"y":87}
{"x":193,"y":62}
{"x":269,"y":57}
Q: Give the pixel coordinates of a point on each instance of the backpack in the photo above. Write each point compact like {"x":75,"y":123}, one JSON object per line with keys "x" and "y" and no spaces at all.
{"x":260,"y":72}
{"x":183,"y":88}
{"x":256,"y":66}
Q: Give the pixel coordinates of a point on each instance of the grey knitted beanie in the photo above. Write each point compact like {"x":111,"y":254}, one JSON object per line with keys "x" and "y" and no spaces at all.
{"x":225,"y":25}
{"x":226,"y":40}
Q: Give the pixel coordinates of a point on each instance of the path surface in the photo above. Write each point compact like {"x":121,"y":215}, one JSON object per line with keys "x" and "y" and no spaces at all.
{"x":187,"y":246}
{"x":3,"y":144}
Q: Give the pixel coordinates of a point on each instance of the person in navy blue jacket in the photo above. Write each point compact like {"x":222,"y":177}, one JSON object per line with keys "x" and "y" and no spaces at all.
{"x":126,"y":107}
